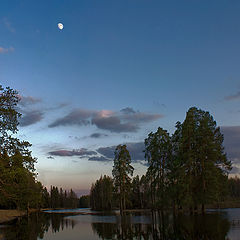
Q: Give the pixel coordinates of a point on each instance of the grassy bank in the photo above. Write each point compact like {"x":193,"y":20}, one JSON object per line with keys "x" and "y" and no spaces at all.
{"x":9,"y":215}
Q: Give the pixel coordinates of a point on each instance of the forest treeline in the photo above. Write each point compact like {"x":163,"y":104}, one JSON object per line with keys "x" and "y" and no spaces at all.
{"x":139,"y":196}
{"x":188,"y":169}
{"x":59,"y":198}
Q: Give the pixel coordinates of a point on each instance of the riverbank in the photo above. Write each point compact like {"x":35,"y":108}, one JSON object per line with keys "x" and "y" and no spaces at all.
{"x":9,"y":215}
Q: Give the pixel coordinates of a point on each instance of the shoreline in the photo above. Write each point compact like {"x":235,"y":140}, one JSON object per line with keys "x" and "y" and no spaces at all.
{"x":10,"y":214}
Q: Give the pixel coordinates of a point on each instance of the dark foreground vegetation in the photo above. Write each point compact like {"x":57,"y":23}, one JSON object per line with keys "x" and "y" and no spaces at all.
{"x":187,"y":170}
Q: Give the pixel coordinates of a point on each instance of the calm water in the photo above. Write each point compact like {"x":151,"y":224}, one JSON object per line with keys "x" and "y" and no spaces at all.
{"x":66,"y":226}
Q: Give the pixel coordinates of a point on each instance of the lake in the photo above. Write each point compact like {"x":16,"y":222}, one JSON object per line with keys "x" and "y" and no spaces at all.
{"x":67,"y":225}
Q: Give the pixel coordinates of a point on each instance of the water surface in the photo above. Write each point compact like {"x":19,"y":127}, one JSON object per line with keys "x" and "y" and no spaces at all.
{"x":66,"y":225}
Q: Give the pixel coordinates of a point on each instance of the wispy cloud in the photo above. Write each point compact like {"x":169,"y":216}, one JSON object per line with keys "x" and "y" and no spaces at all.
{"x":8,"y":25}
{"x":76,"y":117}
{"x":71,"y":153}
{"x":235,"y":96}
{"x":126,"y":120}
{"x":114,"y":124}
{"x":29,"y":100}
{"x":99,"y":159}
{"x":33,"y":109}
{"x":102,"y":154}
{"x":6,"y":50}
{"x":98,"y":135}
{"x":31,"y":117}
{"x":128,"y":110}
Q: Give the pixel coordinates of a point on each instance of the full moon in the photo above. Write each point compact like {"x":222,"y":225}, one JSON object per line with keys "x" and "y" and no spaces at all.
{"x":60,"y":26}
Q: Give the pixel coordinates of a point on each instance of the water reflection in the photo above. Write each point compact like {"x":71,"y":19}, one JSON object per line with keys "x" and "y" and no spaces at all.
{"x":166,"y":227}
{"x":34,"y":226}
{"x":155,"y":225}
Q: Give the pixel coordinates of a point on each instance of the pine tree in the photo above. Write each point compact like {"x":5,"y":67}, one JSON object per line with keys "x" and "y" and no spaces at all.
{"x":158,"y":154}
{"x":204,"y":160}
{"x":121,"y":170}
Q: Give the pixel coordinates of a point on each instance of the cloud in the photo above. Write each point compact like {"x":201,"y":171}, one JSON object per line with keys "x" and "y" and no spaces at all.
{"x":33,"y":112}
{"x":6,"y":50}
{"x":71,"y":153}
{"x":127,"y":120}
{"x":102,"y":154}
{"x":235,"y":96}
{"x":232,"y":142}
{"x":135,"y":116}
{"x":98,"y":135}
{"x":127,"y":110}
{"x":30,"y":118}
{"x":142,"y":117}
{"x":77,"y":117}
{"x":108,"y":152}
{"x":235,"y":170}
{"x":26,"y":101}
{"x":8,"y":25}
{"x":113,"y":124}
{"x":135,"y":150}
{"x":57,"y":107}
{"x":99,"y":159}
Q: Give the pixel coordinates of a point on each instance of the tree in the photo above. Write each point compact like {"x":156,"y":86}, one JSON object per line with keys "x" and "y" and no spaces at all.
{"x":234,"y":187}
{"x":46,"y":198}
{"x":84,"y":201}
{"x":101,"y":194}
{"x":136,"y":197}
{"x":18,"y":186}
{"x":204,"y":162}
{"x":176,"y":173}
{"x":121,"y":170}
{"x":158,"y":154}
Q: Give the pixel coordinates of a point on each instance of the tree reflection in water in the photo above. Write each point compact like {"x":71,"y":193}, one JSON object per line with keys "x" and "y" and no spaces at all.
{"x":167,"y":227}
{"x":35,"y":225}
{"x":158,"y":227}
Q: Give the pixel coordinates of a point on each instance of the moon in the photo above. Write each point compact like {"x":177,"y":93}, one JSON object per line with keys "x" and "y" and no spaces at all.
{"x":60,"y":26}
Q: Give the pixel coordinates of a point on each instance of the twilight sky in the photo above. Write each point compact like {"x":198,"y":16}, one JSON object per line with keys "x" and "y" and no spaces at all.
{"x":118,"y":70}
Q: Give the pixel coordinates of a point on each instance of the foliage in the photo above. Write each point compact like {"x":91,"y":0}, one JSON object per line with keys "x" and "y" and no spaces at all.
{"x":202,"y":158}
{"x":158,"y":154}
{"x":84,"y":201}
{"x":101,"y":194}
{"x":121,"y":170}
{"x":59,"y":198}
{"x":234,"y":188}
{"x":189,"y":168}
{"x":18,"y":186}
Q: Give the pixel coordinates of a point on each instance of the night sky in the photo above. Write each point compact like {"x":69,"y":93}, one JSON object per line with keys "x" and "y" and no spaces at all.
{"x":114,"y":73}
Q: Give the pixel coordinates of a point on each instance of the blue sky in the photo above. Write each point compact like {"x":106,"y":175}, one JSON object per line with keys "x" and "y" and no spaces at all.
{"x":118,"y":70}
